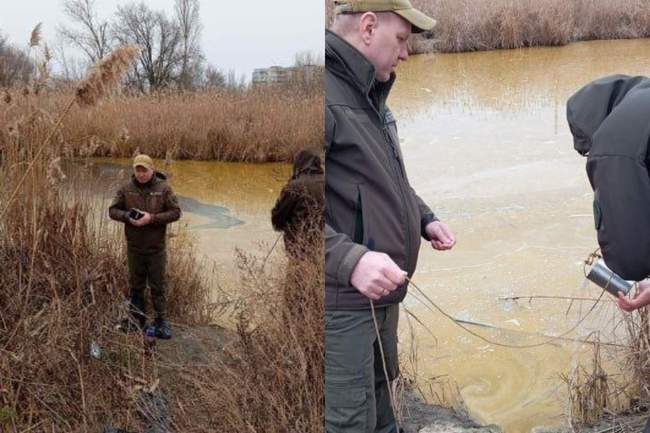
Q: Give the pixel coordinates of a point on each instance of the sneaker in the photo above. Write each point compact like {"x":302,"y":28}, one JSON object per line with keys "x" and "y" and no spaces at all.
{"x":163,"y":330}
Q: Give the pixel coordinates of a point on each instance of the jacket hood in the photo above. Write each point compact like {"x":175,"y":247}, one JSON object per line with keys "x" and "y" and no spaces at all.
{"x":348,"y":63}
{"x":306,"y":162}
{"x":591,"y":105}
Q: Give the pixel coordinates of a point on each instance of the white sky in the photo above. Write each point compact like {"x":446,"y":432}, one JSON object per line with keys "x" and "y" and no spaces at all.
{"x":240,"y":35}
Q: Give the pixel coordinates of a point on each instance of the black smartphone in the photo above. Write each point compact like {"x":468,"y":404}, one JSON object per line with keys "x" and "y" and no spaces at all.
{"x":135,"y":214}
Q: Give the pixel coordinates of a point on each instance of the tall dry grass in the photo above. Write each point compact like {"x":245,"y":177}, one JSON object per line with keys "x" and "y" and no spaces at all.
{"x":63,"y":288}
{"x":476,"y":25}
{"x":257,"y":125}
{"x":614,"y":388}
{"x":270,"y":377}
{"x":63,"y":365}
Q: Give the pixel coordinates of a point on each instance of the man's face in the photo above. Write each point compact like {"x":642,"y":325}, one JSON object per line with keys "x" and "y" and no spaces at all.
{"x":143,"y":174}
{"x":387,"y":44}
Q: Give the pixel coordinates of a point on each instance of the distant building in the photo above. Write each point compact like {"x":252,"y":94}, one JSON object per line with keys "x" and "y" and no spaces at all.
{"x":283,"y":75}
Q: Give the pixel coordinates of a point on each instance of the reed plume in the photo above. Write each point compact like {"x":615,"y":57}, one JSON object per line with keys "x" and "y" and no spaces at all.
{"x":106,"y":75}
{"x":35,"y":38}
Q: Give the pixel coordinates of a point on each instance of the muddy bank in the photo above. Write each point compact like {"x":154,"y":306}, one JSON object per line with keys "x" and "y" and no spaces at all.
{"x":421,"y":417}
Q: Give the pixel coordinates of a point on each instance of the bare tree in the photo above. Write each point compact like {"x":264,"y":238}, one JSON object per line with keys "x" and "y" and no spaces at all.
{"x":235,"y":82}
{"x":90,"y":34}
{"x":15,"y":65}
{"x":189,"y":24}
{"x":214,"y":77}
{"x":160,"y":39}
{"x":71,"y":69}
{"x":307,"y":58}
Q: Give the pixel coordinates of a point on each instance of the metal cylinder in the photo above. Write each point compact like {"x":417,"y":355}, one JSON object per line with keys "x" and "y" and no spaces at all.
{"x":604,"y":277}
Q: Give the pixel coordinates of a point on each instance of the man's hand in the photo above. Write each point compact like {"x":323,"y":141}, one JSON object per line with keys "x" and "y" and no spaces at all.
{"x":442,"y":238}
{"x":146,"y":219}
{"x":376,"y":275}
{"x":641,"y":299}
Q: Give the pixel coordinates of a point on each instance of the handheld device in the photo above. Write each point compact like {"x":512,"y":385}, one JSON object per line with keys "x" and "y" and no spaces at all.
{"x":604,"y":277}
{"x":135,"y":214}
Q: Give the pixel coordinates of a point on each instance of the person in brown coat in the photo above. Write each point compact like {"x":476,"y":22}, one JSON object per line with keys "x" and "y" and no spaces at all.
{"x":298,"y":212}
{"x":146,"y":204}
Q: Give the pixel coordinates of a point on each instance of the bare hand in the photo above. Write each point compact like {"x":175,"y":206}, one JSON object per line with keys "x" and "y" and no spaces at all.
{"x":442,"y":238}
{"x":641,"y":299}
{"x":376,"y":275}
{"x":146,"y":219}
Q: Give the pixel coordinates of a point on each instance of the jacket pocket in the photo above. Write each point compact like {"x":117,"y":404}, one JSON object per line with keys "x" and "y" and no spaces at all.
{"x":155,"y":202}
{"x":358,"y":236}
{"x":133,"y":199}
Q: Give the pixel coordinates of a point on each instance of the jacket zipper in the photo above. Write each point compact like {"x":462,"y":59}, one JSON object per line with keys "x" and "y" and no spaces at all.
{"x":395,"y":158}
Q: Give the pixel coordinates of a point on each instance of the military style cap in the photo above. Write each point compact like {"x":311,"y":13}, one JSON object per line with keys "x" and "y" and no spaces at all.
{"x":143,"y":161}
{"x":403,"y":8}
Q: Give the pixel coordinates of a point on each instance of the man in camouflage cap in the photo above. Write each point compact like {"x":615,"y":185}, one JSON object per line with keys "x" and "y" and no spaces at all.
{"x":374,"y":219}
{"x":146,"y":204}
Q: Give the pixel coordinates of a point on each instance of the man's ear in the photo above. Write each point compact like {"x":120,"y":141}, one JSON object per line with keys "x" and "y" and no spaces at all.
{"x":367,"y":25}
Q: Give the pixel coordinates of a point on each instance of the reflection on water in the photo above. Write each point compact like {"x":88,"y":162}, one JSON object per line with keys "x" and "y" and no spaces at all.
{"x":226,"y":206}
{"x":486,"y":143}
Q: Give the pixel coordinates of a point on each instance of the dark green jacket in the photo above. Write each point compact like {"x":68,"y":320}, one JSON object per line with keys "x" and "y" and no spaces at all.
{"x":370,"y":204}
{"x":155,"y":197}
{"x":610,"y":122}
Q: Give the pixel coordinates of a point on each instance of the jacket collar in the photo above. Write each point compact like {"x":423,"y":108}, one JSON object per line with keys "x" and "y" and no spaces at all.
{"x":349,"y":63}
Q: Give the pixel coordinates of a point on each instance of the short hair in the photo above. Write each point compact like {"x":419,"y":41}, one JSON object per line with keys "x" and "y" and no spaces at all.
{"x":344,"y":24}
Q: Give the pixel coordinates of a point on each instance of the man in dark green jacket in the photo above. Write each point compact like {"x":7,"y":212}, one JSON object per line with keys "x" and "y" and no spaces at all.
{"x":374,"y":219}
{"x":146,"y":204}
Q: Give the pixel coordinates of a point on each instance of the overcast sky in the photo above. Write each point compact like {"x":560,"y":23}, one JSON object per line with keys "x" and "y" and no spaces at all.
{"x":239,"y":35}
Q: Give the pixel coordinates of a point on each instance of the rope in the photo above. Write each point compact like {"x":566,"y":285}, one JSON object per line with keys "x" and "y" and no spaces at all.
{"x":496,"y":343}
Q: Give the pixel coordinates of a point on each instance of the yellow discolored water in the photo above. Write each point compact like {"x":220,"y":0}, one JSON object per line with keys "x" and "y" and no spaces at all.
{"x":486,"y":144}
{"x":226,"y":206}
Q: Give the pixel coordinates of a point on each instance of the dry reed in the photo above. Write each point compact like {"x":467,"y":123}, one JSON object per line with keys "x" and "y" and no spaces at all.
{"x":258,"y":125}
{"x":64,"y":367}
{"x":270,"y":377}
{"x":106,"y":75}
{"x":476,"y":25}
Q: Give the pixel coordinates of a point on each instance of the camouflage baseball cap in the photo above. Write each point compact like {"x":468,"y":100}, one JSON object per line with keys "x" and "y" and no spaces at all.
{"x":403,"y":8}
{"x":143,"y":161}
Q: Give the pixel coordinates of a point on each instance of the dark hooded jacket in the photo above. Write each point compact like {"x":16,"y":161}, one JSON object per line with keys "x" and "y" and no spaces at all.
{"x":298,"y":212}
{"x":155,"y":197}
{"x":369,"y":202}
{"x":610,"y":122}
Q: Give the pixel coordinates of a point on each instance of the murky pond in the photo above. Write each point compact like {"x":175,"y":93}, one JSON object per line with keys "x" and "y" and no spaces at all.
{"x":225,"y":206}
{"x":486,"y":144}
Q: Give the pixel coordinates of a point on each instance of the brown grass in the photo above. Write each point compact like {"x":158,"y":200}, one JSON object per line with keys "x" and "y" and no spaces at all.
{"x":270,"y":378}
{"x":63,"y":289}
{"x":615,"y":388}
{"x":258,"y":125}
{"x":476,"y":25}
{"x":65,"y":279}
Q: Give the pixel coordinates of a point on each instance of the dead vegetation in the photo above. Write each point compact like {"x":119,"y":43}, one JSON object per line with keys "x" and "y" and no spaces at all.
{"x":63,"y":365}
{"x":613,"y":389}
{"x":257,"y":125}
{"x":471,"y":25}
